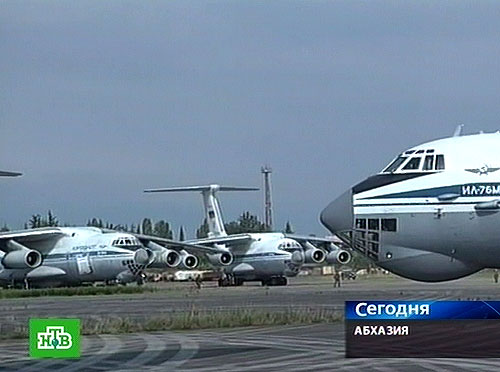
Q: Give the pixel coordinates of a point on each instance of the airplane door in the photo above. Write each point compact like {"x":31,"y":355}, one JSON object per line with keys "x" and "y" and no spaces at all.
{"x":83,"y":264}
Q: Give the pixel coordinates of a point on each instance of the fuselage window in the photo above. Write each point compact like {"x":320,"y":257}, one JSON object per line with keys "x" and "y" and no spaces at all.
{"x":395,"y":164}
{"x":413,"y":164}
{"x":389,"y":224}
{"x":373,"y":224}
{"x":439,"y":162}
{"x":360,"y":223}
{"x":428,"y":162}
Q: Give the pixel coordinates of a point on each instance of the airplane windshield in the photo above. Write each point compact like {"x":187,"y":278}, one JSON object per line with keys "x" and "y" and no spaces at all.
{"x":395,"y":164}
{"x":412,"y":164}
{"x":126,"y":242}
{"x":416,"y":163}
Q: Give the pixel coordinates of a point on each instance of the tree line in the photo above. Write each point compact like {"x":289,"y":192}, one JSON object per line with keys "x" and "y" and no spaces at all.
{"x":246,"y":223}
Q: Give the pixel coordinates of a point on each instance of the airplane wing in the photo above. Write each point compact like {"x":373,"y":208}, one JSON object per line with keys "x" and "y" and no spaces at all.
{"x":9,"y":174}
{"x":31,"y":235}
{"x":189,"y":246}
{"x":327,"y":243}
{"x":231,"y":239}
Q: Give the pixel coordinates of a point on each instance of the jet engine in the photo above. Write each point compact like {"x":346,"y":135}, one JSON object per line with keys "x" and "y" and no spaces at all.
{"x":143,"y":256}
{"x":218,"y":259}
{"x":188,"y":261}
{"x":163,"y":257}
{"x":338,"y":256}
{"x":167,"y":258}
{"x":313,"y":255}
{"x":21,"y":257}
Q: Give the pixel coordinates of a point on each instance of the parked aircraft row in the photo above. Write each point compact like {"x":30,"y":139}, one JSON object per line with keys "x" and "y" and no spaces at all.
{"x":69,"y":256}
{"x":432,"y":214}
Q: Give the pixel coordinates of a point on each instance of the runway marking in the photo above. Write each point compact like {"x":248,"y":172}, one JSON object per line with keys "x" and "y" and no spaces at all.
{"x":188,"y":349}
{"x":155,"y":346}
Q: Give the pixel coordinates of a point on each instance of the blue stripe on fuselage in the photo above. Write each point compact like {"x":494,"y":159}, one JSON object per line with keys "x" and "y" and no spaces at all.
{"x":466,"y":190}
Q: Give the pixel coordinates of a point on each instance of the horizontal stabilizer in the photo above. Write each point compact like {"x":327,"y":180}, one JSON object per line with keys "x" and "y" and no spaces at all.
{"x":9,"y":174}
{"x":203,"y":188}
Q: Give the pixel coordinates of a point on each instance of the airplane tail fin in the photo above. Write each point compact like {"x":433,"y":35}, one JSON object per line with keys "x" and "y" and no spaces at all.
{"x":213,"y":212}
{"x":9,"y":174}
{"x":458,"y":130}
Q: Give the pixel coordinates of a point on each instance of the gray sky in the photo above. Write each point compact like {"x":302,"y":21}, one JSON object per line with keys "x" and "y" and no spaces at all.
{"x":99,"y":100}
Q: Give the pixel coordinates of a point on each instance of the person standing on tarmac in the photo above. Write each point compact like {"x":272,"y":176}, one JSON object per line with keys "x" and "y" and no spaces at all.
{"x":495,"y":276}
{"x":336,"y":279}
{"x":198,"y":281}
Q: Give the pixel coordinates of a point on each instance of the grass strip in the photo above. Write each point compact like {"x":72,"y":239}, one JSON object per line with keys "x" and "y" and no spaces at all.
{"x":198,"y":319}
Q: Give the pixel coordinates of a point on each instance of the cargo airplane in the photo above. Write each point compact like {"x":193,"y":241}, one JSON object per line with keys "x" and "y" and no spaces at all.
{"x":432,"y":214}
{"x":266,"y":257}
{"x":54,"y":256}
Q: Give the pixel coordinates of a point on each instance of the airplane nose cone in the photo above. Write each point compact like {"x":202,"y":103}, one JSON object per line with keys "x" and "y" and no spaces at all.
{"x":338,"y":215}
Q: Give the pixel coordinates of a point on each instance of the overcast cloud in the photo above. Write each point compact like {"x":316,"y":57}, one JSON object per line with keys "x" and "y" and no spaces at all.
{"x":99,"y":100}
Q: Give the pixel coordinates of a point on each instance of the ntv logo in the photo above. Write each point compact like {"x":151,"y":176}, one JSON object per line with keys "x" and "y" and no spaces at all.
{"x":54,"y":338}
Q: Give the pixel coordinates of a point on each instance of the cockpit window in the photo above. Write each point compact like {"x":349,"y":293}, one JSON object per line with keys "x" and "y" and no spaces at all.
{"x":420,"y":152}
{"x":395,"y":164}
{"x":126,"y":242}
{"x":428,"y":162}
{"x":413,"y":164}
{"x":439,"y":162}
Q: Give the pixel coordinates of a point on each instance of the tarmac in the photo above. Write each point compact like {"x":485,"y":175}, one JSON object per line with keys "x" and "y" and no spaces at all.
{"x":292,"y":348}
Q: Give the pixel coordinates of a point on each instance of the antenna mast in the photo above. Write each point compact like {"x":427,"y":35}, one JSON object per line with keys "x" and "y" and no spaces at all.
{"x":268,"y":207}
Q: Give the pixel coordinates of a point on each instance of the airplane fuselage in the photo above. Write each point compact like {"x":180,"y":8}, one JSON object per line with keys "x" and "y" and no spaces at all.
{"x":267,"y":255}
{"x":428,"y":222}
{"x":80,"y":255}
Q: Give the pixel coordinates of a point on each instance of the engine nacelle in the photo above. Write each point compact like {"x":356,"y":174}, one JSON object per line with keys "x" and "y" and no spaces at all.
{"x":144,"y":256}
{"x":220,"y":259}
{"x":168,"y":258}
{"x":22,"y":259}
{"x":314,"y":256}
{"x":164,"y":257}
{"x":338,"y":256}
{"x":188,"y":261}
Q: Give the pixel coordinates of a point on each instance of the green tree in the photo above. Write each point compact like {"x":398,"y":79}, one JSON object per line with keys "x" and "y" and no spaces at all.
{"x":147,"y":226}
{"x":35,"y":221}
{"x":52,"y":219}
{"x":246,"y":223}
{"x":4,"y":228}
{"x":202,"y":231}
{"x":181,"y":234}
{"x":288,"y":228}
{"x":162,"y":230}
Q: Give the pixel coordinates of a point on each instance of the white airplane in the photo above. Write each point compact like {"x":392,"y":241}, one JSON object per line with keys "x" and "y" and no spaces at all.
{"x":265,"y":257}
{"x":432,"y":214}
{"x":74,"y":255}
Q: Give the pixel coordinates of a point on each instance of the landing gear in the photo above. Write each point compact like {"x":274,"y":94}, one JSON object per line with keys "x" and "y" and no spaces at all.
{"x":275,"y":281}
{"x":230,"y":280}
